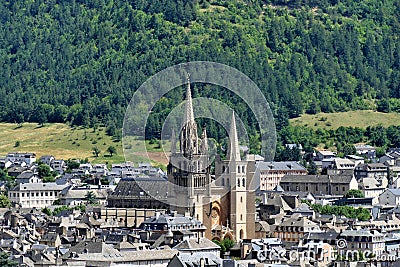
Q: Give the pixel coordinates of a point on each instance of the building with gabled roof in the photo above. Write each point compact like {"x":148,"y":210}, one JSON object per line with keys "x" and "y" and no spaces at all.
{"x":196,"y":245}
{"x":140,"y":192}
{"x":89,"y":253}
{"x":74,"y":195}
{"x":27,"y":157}
{"x":319,"y":184}
{"x":269,"y":174}
{"x":27,"y":177}
{"x":371,"y":170}
{"x":174,"y":223}
{"x":325,"y":154}
{"x":390,"y":197}
{"x":35,"y":195}
{"x":363,"y":240}
{"x":203,"y":259}
{"x":294,"y":228}
{"x":47,"y":159}
{"x":365,"y":150}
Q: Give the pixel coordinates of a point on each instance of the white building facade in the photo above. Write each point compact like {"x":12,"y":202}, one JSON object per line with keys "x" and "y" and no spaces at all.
{"x":36,"y":195}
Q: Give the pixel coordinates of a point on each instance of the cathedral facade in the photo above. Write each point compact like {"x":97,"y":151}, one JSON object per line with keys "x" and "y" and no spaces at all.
{"x":223,"y":201}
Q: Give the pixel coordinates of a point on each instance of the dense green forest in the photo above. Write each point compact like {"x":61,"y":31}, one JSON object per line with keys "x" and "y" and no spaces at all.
{"x":80,"y":61}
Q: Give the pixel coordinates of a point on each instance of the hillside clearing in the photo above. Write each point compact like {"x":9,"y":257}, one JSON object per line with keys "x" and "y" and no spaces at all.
{"x":357,"y":118}
{"x":65,"y":142}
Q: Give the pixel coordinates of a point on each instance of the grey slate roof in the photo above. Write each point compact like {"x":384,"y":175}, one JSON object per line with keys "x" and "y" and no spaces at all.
{"x":278,"y":188}
{"x":193,"y":260}
{"x":371,"y":166}
{"x":360,"y":233}
{"x":300,"y":221}
{"x":280,"y":165}
{"x":305,"y":179}
{"x":395,"y":192}
{"x":135,"y":187}
{"x":25,"y":175}
{"x":80,"y":193}
{"x":49,"y":237}
{"x":197,"y":244}
{"x":93,"y":247}
{"x":39,"y":187}
{"x":329,"y":235}
{"x":341,"y":179}
{"x":167,"y":220}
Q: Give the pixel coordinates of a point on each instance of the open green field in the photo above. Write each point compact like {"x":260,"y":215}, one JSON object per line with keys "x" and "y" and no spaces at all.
{"x":357,"y":118}
{"x":65,"y":142}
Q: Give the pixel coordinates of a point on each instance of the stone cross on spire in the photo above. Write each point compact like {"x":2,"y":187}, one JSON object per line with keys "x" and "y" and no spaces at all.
{"x":188,"y":116}
{"x":204,"y":141}
{"x":233,"y":152}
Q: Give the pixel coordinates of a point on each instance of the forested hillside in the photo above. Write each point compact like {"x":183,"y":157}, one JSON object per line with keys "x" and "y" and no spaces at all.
{"x":80,"y":61}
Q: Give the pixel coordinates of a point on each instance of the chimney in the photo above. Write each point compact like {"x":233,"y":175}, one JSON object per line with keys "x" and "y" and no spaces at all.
{"x":202,"y":262}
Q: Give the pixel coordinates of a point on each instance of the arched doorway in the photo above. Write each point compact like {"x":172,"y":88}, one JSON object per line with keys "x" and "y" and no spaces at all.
{"x":228,"y":236}
{"x":215,"y":216}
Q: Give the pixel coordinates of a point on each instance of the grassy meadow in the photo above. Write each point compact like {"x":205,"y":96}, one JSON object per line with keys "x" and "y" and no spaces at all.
{"x":65,"y":142}
{"x":356,"y":118}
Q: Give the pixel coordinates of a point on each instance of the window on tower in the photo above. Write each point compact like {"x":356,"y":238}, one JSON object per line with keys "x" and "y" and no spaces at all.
{"x":238,"y":183}
{"x":243,"y":182}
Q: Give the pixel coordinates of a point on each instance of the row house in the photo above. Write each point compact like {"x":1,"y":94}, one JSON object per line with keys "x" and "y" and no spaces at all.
{"x":35,"y":195}
{"x":324,"y":154}
{"x":47,"y":159}
{"x":319,"y":184}
{"x":391,"y":197}
{"x":295,"y":228}
{"x":269,"y":174}
{"x":73,"y":196}
{"x":28,"y":158}
{"x":391,"y":158}
{"x":371,"y":170}
{"x":363,"y":241}
{"x":57,"y":165}
{"x":28,"y":177}
{"x":364,"y":150}
{"x":336,"y":166}
{"x":119,"y":168}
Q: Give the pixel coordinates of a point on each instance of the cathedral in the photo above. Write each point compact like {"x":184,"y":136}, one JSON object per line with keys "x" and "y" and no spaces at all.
{"x":223,"y":201}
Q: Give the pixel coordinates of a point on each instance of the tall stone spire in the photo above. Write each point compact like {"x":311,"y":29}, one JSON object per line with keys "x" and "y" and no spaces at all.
{"x":188,"y":138}
{"x":188,"y":116}
{"x":173,"y":141}
{"x":233,"y":152}
{"x":204,"y":141}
